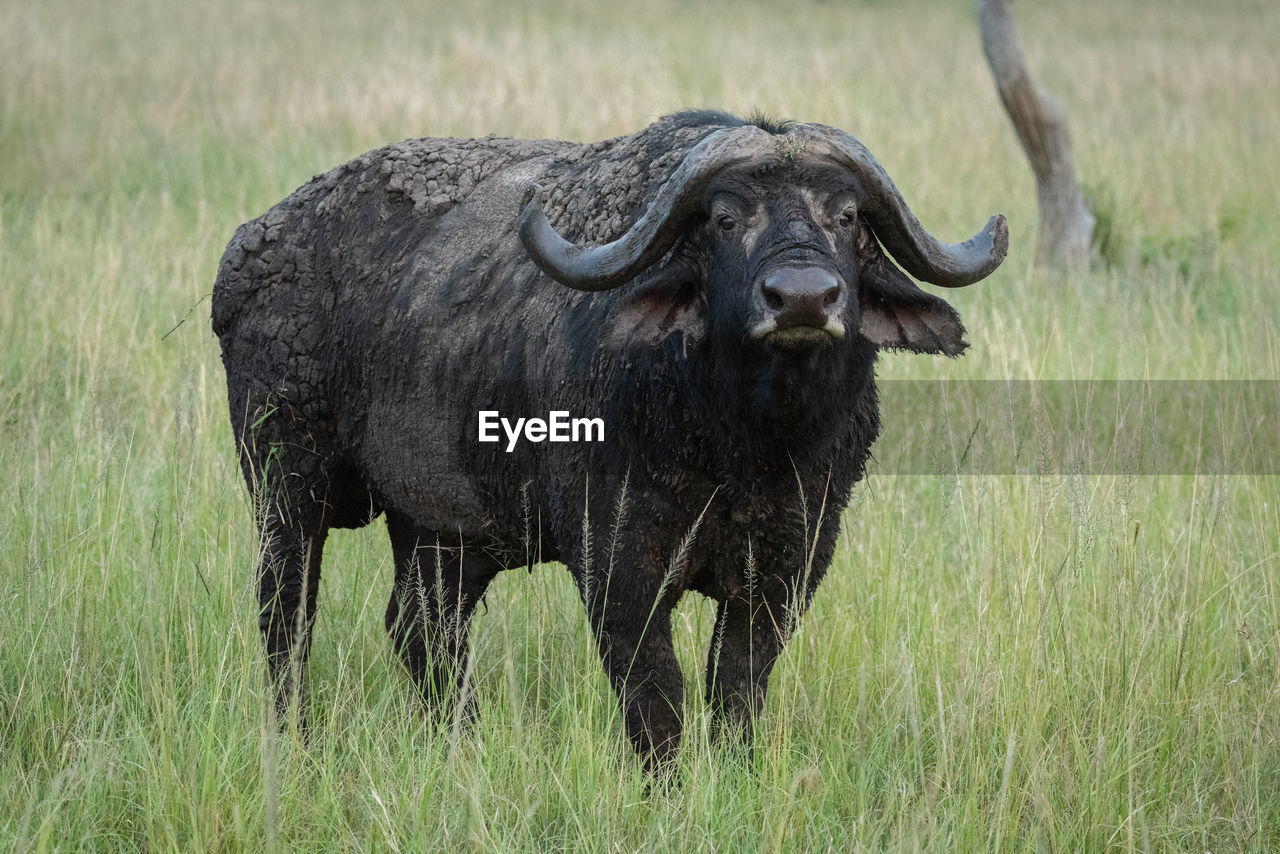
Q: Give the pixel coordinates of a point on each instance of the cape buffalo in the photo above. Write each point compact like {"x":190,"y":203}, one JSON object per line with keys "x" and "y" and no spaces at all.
{"x":712,"y":291}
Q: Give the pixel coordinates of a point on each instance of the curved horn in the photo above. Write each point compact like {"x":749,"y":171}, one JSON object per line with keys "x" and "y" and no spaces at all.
{"x":599,"y":268}
{"x":950,"y":265}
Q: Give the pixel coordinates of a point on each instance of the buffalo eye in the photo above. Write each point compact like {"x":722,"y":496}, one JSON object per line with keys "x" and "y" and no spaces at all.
{"x":726,"y":222}
{"x":847,"y":217}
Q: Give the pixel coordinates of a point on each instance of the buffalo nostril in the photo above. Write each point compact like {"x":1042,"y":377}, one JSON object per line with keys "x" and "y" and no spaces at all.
{"x":772,"y":298}
{"x":830,"y":297}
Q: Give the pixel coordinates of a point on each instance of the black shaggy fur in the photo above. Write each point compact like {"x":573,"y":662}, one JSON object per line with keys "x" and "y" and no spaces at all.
{"x":367,"y":318}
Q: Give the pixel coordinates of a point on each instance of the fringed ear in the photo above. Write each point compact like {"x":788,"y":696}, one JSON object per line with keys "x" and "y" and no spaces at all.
{"x":669,"y":301}
{"x":898,"y":315}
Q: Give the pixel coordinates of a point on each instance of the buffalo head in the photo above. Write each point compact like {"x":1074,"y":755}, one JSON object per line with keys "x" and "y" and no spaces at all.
{"x":774,"y":240}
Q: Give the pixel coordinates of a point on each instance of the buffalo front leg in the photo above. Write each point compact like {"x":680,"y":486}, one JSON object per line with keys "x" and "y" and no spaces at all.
{"x":437,"y":589}
{"x":631,"y":622}
{"x":748,"y":638}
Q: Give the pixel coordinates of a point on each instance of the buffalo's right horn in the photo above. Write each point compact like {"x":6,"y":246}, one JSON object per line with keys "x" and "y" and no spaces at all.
{"x":599,"y":268}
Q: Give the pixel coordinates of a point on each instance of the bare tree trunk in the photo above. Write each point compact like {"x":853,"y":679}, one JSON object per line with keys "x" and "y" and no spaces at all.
{"x":1066,"y":225}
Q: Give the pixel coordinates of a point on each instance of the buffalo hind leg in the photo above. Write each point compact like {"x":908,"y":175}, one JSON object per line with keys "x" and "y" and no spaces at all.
{"x":436,"y":591}
{"x":288,"y":583}
{"x":289,"y":482}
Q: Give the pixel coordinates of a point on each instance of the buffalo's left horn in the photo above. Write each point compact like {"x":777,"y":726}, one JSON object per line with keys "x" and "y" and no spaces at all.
{"x":950,"y":265}
{"x":599,"y":268}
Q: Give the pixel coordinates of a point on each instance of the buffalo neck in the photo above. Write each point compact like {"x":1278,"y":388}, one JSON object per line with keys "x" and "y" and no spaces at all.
{"x":761,"y":413}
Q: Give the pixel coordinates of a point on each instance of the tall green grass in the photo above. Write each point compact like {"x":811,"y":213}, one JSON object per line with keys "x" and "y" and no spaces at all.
{"x":993,"y":663}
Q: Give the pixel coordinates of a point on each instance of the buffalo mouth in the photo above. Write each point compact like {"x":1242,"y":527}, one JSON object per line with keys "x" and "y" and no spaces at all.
{"x":798,"y":336}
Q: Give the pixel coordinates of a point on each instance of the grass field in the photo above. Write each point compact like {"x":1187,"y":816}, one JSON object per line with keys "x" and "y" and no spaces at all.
{"x":1049,"y":663}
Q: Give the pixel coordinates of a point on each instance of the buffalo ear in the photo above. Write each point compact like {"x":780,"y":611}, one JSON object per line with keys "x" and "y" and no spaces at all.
{"x":898,"y":315}
{"x":669,"y":301}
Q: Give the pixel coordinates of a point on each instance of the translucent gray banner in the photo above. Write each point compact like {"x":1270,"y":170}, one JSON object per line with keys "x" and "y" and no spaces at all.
{"x":1105,"y":427}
